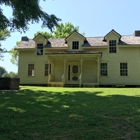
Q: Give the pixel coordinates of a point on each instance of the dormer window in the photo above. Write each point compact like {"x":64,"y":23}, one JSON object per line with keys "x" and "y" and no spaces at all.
{"x":75,"y":45}
{"x":112,"y":46}
{"x":39,"y":49}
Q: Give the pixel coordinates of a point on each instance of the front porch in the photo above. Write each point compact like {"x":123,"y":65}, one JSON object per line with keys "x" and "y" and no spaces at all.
{"x":74,"y":70}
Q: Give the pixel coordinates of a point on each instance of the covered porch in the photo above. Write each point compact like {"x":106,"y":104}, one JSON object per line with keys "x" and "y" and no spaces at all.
{"x":74,"y":68}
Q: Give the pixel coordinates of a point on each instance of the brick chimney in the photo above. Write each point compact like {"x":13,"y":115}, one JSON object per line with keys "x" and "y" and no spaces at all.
{"x":137,"y":33}
{"x":24,"y":38}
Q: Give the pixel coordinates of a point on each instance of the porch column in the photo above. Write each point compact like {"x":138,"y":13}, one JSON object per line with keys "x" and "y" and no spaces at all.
{"x":63,"y":77}
{"x":49,"y":75}
{"x":81,"y":62}
{"x":48,"y":70}
{"x":98,"y":69}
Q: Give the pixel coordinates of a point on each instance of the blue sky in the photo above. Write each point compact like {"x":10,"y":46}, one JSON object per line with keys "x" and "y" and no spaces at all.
{"x":94,"y":18}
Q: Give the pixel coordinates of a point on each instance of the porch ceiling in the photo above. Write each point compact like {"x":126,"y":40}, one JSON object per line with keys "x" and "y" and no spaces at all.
{"x":72,"y":52}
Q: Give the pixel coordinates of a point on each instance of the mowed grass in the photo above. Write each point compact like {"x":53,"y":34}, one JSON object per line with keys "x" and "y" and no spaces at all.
{"x":45,"y":113}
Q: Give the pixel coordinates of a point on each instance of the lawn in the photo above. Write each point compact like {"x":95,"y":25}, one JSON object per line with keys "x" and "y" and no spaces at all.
{"x":46,"y":113}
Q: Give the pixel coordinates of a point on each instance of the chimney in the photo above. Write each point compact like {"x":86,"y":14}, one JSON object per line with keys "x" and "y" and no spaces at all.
{"x":137,"y":33}
{"x":24,"y":38}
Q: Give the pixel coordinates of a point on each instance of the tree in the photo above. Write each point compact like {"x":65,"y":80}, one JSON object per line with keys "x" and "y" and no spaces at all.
{"x":14,"y":55}
{"x":25,"y":12}
{"x":3,"y":35}
{"x":61,"y":31}
{"x":10,"y":75}
{"x":44,"y":34}
{"x":2,"y":71}
{"x":64,"y":30}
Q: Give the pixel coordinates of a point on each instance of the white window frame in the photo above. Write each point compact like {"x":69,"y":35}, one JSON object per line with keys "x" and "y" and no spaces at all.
{"x":103,"y":69}
{"x":123,"y":69}
{"x":112,"y":46}
{"x":31,"y":69}
{"x":75,"y":45}
{"x":39,"y":48}
{"x":48,"y":69}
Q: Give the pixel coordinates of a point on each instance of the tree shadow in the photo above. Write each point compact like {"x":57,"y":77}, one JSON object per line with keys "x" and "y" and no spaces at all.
{"x":38,"y":114}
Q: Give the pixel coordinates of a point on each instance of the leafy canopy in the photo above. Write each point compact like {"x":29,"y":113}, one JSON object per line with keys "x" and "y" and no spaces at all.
{"x":61,"y":31}
{"x":2,"y":71}
{"x":3,"y":35}
{"x":10,"y":74}
{"x":25,"y":12}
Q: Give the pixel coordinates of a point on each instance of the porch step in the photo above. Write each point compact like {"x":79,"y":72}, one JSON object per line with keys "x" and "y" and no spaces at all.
{"x":55,"y":84}
{"x":71,"y":85}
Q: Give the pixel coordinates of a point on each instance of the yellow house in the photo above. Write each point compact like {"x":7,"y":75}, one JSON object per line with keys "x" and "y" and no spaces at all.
{"x":80,"y":61}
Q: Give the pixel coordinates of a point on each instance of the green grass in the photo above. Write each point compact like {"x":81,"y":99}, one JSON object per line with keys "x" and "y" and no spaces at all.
{"x":45,"y":113}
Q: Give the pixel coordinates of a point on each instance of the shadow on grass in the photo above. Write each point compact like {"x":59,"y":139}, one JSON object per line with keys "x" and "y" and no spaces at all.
{"x":43,"y":115}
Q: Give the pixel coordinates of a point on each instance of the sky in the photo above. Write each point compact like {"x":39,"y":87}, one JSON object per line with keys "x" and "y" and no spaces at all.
{"x":94,"y":18}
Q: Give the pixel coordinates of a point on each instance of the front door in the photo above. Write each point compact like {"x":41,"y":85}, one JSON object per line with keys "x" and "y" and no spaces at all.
{"x":73,"y":72}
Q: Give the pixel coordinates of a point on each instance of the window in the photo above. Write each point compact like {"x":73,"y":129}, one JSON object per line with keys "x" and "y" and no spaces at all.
{"x":103,"y":69}
{"x":123,"y":69}
{"x":39,"y":49}
{"x":112,"y":46}
{"x":30,"y":69}
{"x":47,"y":69}
{"x":75,"y":45}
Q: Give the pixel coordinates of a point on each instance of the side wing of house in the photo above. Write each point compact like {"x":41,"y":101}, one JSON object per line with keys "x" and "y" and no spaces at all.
{"x":31,"y":68}
{"x":120,"y":62}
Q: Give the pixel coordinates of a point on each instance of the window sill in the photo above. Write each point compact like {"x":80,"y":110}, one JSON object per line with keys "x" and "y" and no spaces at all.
{"x":123,"y":76}
{"x":104,"y":77}
{"x":113,"y":53}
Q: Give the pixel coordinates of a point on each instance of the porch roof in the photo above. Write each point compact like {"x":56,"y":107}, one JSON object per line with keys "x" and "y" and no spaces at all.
{"x":73,"y":52}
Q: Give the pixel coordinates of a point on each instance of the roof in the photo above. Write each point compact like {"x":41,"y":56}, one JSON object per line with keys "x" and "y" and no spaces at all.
{"x":88,"y":42}
{"x":56,"y":43}
{"x":111,"y":32}
{"x":94,"y":41}
{"x":30,"y":44}
{"x":75,"y":32}
{"x":130,"y":40}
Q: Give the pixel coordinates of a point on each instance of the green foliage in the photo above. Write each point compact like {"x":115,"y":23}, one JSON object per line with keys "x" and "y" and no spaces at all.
{"x":2,"y":71}
{"x":25,"y":12}
{"x":3,"y":35}
{"x":44,"y":34}
{"x":61,"y":31}
{"x":14,"y":56}
{"x":10,"y":75}
{"x":64,"y":30}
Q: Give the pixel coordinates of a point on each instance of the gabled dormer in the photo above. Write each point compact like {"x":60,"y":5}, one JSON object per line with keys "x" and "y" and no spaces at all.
{"x":75,"y":41}
{"x":112,"y":38}
{"x":40,"y":42}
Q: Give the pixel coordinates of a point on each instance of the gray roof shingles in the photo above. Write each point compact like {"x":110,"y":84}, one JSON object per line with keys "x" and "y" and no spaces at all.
{"x":90,"y":42}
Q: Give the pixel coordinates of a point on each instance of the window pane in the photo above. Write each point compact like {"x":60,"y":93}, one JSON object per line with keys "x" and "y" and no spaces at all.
{"x":39,"y":49}
{"x":112,"y":46}
{"x":103,"y":69}
{"x":123,"y":69}
{"x":75,"y":69}
{"x":75,"y":45}
{"x":30,"y":69}
{"x":47,"y":69}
